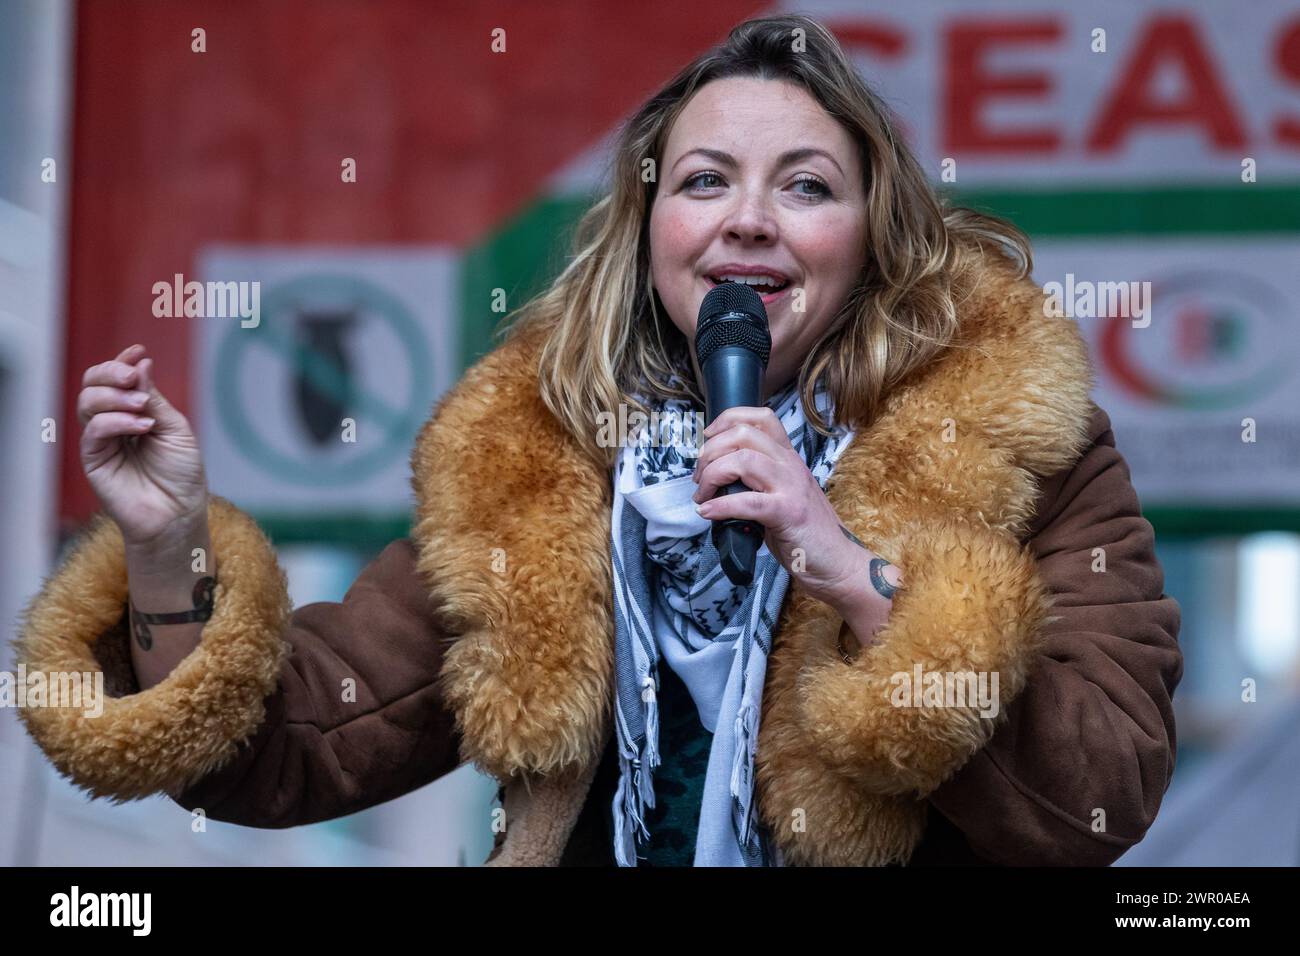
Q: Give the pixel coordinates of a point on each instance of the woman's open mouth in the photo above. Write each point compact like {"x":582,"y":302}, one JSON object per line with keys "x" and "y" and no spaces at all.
{"x":767,"y":292}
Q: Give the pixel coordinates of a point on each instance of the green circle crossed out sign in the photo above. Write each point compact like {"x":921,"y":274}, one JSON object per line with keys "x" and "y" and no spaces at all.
{"x":398,"y":425}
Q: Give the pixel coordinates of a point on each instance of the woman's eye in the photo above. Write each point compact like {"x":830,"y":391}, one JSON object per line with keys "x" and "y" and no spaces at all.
{"x":821,"y":187}
{"x":694,"y":180}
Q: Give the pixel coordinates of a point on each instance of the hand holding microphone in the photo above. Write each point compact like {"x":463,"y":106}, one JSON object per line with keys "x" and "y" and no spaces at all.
{"x":732,"y":346}
{"x":764,"y":490}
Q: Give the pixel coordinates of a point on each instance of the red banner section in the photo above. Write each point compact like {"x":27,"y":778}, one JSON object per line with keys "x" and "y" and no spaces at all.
{"x":244,"y":142}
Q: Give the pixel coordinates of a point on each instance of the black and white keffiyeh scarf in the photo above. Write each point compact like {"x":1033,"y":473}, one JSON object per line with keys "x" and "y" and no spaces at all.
{"x":673,"y":602}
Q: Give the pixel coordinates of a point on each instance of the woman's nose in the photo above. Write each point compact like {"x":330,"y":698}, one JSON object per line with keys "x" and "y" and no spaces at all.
{"x":749,"y":218}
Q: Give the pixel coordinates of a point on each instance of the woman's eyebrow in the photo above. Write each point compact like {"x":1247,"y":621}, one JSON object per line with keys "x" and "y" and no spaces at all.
{"x":785,"y":159}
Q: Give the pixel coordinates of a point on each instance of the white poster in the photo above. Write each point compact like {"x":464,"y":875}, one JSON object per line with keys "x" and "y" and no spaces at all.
{"x":312,"y":406}
{"x":1195,"y":343}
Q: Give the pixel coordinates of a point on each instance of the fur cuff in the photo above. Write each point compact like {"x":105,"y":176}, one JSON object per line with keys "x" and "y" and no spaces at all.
{"x":167,"y":737}
{"x":913,"y":708}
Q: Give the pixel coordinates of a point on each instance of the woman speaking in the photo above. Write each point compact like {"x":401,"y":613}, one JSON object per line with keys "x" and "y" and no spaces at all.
{"x":955,"y":645}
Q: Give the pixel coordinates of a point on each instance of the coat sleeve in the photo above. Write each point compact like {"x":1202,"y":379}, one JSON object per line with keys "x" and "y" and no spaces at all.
{"x":1077,"y":772}
{"x":280,"y":717}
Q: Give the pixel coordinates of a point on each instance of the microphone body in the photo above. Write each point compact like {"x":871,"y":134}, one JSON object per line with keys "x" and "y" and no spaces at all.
{"x":732,"y":343}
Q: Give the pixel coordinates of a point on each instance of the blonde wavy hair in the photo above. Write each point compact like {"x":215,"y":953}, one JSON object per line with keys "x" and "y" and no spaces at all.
{"x":606,"y":332}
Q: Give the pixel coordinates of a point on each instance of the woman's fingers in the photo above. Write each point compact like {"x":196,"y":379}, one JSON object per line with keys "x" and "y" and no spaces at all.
{"x":119,"y":372}
{"x":760,"y":416}
{"x":106,"y":426}
{"x":95,"y":399}
{"x":748,"y":505}
{"x":126,"y":384}
{"x":170,"y":420}
{"x":756,"y":470}
{"x":115,"y":373}
{"x":743,"y":436}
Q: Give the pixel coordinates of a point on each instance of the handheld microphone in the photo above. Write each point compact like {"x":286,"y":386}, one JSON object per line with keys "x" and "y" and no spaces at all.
{"x":732,"y":345}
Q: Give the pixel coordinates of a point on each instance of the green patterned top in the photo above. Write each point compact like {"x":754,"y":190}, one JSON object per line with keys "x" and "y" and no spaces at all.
{"x":679,"y":779}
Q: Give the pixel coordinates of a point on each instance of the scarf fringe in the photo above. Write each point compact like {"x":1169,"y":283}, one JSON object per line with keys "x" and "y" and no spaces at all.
{"x":651,"y":701}
{"x":630,"y":803}
{"x":742,"y":767}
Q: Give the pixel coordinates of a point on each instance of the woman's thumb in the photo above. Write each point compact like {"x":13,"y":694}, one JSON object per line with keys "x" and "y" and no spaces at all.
{"x":157,"y":408}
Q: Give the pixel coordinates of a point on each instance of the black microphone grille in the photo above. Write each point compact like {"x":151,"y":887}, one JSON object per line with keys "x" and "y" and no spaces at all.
{"x":732,"y":297}
{"x":721,"y":333}
{"x":732,"y":314}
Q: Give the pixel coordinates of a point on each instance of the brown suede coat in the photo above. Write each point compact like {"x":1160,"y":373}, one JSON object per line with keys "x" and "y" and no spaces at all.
{"x":487,"y":636}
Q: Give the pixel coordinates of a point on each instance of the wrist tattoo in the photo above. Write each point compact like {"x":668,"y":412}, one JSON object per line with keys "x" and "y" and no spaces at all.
{"x":883,"y":587}
{"x":202,"y":610}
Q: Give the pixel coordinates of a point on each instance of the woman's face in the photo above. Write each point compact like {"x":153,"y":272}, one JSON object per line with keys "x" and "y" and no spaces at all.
{"x":757,"y":209}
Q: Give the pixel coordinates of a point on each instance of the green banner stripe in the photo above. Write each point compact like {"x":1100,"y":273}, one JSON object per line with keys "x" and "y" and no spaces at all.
{"x":522,"y":258}
{"x":365,"y":531}
{"x":1143,"y":211}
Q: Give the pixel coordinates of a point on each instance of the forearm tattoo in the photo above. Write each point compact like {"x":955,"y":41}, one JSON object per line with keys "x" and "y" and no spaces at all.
{"x":854,"y":538}
{"x":877,"y":565}
{"x":202,"y":610}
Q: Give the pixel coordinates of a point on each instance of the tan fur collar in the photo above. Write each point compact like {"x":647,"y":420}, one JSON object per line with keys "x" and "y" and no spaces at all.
{"x":513,"y":531}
